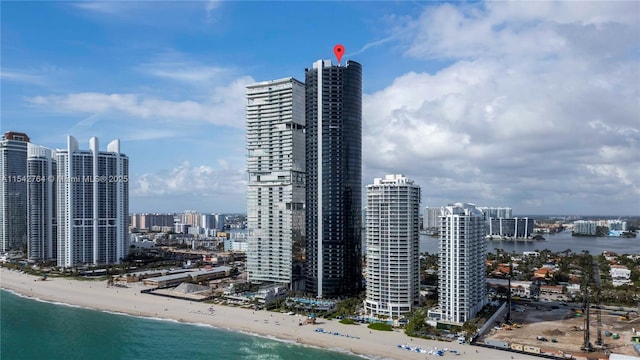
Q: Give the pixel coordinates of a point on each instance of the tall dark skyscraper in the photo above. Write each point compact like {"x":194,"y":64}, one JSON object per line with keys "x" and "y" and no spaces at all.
{"x":13,"y":191}
{"x":333,"y":104}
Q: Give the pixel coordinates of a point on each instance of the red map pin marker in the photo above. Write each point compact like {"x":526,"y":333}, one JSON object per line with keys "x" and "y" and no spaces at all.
{"x":339,"y":51}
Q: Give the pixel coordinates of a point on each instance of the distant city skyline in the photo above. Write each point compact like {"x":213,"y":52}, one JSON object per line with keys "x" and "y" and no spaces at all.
{"x":531,"y":105}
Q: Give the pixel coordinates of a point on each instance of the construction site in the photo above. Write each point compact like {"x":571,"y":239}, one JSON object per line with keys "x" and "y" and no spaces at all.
{"x":560,"y":331}
{"x":571,"y":331}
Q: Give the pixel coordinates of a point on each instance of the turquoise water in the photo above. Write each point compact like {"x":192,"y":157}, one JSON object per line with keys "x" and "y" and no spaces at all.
{"x":31,"y":329}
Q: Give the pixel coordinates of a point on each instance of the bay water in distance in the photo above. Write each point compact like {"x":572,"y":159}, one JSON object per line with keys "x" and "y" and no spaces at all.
{"x":555,"y":242}
{"x":31,"y":329}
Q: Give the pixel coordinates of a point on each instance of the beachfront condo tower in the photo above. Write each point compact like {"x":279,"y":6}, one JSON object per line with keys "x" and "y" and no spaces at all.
{"x":333,"y":100}
{"x":13,"y":191}
{"x":393,"y":246}
{"x":275,"y":191}
{"x":92,"y":195}
{"x":462,"y":283}
{"x":41,"y":204}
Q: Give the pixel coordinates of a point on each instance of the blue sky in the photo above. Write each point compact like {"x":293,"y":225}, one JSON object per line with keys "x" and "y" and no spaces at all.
{"x":532,"y":105}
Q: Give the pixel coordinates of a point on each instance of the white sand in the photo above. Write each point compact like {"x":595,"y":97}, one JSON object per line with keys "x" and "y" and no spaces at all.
{"x":371,"y":343}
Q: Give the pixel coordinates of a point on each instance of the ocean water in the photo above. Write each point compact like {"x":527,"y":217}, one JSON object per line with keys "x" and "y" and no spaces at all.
{"x":31,"y":329}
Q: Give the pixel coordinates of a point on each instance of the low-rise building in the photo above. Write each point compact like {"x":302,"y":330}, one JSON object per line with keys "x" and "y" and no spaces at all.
{"x":522,"y":288}
{"x":620,"y":275}
{"x":543,"y":273}
{"x":552,"y":289}
{"x":573,"y":288}
{"x":192,"y":276}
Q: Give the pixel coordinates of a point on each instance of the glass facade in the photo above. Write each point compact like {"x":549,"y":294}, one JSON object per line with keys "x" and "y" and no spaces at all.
{"x":275,"y":193}
{"x":334,"y":176}
{"x":13,"y":191}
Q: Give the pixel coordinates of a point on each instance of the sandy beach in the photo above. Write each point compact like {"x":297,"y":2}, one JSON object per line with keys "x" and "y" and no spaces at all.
{"x":361,"y":340}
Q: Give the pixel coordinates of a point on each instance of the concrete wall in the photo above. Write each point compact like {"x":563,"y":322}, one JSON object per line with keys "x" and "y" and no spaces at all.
{"x":493,"y":318}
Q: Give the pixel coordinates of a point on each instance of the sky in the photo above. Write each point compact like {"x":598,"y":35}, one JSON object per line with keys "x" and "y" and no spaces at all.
{"x":533,"y":105}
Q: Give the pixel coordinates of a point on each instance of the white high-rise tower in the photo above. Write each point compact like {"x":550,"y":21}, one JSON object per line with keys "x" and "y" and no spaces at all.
{"x":431,"y":221}
{"x":276,"y":193}
{"x":462,"y":282}
{"x":41,"y":204}
{"x":93,"y":204}
{"x":393,"y":263}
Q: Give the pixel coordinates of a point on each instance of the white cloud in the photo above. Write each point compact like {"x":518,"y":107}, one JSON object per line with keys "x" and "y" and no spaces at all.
{"x":371,"y":44}
{"x":186,"y":72}
{"x":224,"y":106}
{"x":103,"y":7}
{"x":537,"y":110}
{"x":209,"y":8}
{"x":165,"y":14}
{"x":177,"y":66}
{"x":21,"y":77}
{"x":532,"y":29}
{"x":186,"y":178}
{"x":186,"y":186}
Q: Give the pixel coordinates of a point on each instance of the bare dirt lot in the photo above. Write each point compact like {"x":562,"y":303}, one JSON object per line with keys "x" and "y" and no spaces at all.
{"x":564,"y":331}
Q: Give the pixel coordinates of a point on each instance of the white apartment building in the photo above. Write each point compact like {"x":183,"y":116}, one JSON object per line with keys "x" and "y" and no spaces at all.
{"x":431,"y":218}
{"x":496,"y":212}
{"x":276,"y":190}
{"x":617,"y":225}
{"x":620,"y":275}
{"x":149,"y":221}
{"x":585,"y":227}
{"x":41,"y":204}
{"x":191,"y":218}
{"x":92,"y":194}
{"x":392,"y":238}
{"x":462,"y":283}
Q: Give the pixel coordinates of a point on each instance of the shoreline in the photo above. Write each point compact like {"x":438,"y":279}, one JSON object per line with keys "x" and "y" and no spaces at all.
{"x":356,"y":340}
{"x":198,"y":324}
